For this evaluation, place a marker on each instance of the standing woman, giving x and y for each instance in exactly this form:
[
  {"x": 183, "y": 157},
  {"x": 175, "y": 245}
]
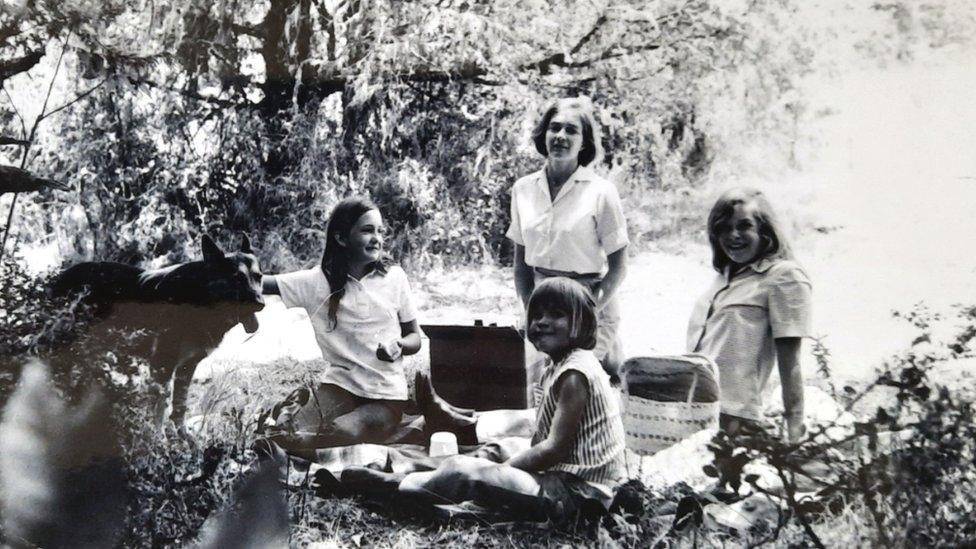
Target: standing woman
[{"x": 568, "y": 221}]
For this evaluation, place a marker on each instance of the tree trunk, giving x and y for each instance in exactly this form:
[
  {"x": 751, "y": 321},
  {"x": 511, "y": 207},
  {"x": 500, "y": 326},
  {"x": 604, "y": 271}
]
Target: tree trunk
[{"x": 279, "y": 82}]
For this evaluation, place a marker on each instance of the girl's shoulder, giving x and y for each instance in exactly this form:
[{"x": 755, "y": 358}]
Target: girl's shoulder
[
  {"x": 393, "y": 273},
  {"x": 586, "y": 173},
  {"x": 582, "y": 360},
  {"x": 786, "y": 271},
  {"x": 597, "y": 183},
  {"x": 528, "y": 179},
  {"x": 394, "y": 270},
  {"x": 312, "y": 275}
]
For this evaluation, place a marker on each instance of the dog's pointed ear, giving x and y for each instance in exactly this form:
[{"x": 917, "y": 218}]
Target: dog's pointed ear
[
  {"x": 246, "y": 245},
  {"x": 211, "y": 252}
]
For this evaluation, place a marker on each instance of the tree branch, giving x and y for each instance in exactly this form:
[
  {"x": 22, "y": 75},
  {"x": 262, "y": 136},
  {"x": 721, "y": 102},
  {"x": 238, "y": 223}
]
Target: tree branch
[
  {"x": 4, "y": 140},
  {"x": 78, "y": 98},
  {"x": 248, "y": 30},
  {"x": 545, "y": 65},
  {"x": 561, "y": 59},
  {"x": 47, "y": 97},
  {"x": 18, "y": 65},
  {"x": 600, "y": 21},
  {"x": 223, "y": 103}
]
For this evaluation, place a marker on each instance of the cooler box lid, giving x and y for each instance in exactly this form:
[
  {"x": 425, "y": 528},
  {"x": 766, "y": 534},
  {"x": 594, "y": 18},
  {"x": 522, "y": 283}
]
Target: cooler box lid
[{"x": 479, "y": 367}]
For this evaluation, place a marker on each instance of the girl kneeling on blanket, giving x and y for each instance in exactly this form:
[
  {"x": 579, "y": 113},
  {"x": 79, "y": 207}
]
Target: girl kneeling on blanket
[
  {"x": 364, "y": 320},
  {"x": 577, "y": 452}
]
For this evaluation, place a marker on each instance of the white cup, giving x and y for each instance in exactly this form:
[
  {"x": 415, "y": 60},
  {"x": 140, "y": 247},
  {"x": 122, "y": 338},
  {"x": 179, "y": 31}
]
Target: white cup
[{"x": 443, "y": 443}]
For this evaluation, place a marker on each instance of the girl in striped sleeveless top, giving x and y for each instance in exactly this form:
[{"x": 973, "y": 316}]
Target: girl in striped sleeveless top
[{"x": 577, "y": 452}]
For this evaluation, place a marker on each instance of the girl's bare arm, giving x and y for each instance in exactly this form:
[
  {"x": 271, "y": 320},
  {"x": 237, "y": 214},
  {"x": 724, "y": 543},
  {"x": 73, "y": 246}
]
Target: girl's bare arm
[
  {"x": 269, "y": 285},
  {"x": 616, "y": 272},
  {"x": 572, "y": 392},
  {"x": 524, "y": 277},
  {"x": 410, "y": 337},
  {"x": 791, "y": 377}
]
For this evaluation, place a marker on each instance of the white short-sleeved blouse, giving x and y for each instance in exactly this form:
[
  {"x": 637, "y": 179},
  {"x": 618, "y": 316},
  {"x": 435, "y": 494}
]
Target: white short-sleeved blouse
[
  {"x": 369, "y": 313},
  {"x": 736, "y": 322},
  {"x": 576, "y": 231}
]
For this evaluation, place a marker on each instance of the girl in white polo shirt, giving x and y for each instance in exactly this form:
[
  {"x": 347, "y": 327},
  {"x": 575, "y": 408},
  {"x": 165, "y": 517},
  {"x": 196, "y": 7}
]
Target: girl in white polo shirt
[
  {"x": 364, "y": 321},
  {"x": 755, "y": 314}
]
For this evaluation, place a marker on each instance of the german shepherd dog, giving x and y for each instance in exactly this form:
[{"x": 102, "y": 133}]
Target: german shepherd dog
[{"x": 184, "y": 310}]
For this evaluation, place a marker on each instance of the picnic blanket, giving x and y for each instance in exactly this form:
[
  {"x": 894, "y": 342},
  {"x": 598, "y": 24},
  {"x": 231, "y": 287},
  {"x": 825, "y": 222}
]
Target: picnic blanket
[{"x": 502, "y": 434}]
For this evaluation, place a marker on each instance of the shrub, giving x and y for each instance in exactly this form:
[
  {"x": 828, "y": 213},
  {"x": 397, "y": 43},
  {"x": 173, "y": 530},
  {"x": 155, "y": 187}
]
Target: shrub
[{"x": 913, "y": 456}]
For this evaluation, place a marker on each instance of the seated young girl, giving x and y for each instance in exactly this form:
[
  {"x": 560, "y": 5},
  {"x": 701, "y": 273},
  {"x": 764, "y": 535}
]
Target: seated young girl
[
  {"x": 755, "y": 314},
  {"x": 577, "y": 452},
  {"x": 364, "y": 320}
]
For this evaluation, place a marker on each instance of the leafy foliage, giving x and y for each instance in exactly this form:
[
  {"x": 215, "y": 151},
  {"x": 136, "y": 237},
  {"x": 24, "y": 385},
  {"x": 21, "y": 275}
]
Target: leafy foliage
[
  {"x": 915, "y": 455},
  {"x": 230, "y": 114}
]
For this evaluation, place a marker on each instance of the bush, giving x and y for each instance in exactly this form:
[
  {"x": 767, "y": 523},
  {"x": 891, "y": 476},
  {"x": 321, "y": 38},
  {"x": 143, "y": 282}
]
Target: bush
[{"x": 913, "y": 456}]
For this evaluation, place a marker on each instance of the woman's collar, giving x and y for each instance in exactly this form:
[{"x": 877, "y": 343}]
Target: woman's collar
[
  {"x": 759, "y": 266},
  {"x": 582, "y": 174}
]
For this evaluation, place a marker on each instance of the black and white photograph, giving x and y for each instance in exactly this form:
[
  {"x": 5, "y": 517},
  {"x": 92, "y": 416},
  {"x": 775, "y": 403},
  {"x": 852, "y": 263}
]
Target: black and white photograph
[{"x": 466, "y": 273}]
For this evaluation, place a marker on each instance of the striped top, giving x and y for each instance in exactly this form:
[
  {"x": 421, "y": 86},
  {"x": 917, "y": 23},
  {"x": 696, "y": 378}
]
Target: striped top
[{"x": 598, "y": 449}]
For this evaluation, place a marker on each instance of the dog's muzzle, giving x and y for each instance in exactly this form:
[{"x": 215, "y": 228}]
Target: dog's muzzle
[{"x": 250, "y": 320}]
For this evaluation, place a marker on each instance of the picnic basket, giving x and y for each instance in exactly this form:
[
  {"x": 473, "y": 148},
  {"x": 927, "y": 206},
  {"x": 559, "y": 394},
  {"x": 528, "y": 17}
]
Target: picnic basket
[{"x": 667, "y": 398}]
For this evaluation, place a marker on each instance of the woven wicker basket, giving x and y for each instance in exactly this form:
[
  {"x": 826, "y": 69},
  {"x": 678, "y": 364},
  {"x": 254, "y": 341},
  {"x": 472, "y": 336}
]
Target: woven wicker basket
[{"x": 652, "y": 425}]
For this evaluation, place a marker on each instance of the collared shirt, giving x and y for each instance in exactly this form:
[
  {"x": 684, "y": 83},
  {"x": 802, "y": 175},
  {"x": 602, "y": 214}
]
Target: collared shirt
[
  {"x": 736, "y": 322},
  {"x": 598, "y": 447},
  {"x": 576, "y": 231},
  {"x": 369, "y": 313}
]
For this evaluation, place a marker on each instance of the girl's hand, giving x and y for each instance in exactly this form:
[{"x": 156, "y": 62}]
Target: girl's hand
[
  {"x": 390, "y": 351},
  {"x": 795, "y": 430}
]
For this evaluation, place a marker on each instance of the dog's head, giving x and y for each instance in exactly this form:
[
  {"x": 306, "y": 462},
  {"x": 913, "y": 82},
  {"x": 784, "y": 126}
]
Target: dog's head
[{"x": 232, "y": 280}]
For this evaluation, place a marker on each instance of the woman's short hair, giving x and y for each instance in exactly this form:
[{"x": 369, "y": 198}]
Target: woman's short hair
[
  {"x": 571, "y": 297},
  {"x": 771, "y": 233},
  {"x": 591, "y": 148}
]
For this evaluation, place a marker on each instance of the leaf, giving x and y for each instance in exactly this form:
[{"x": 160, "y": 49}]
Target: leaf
[
  {"x": 61, "y": 476},
  {"x": 257, "y": 518},
  {"x": 924, "y": 338},
  {"x": 710, "y": 471}
]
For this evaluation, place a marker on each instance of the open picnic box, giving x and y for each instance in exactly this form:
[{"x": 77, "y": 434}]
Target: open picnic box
[{"x": 477, "y": 366}]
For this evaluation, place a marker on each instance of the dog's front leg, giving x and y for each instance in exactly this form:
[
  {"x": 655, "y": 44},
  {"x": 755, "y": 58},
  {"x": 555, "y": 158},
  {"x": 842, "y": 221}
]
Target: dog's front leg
[
  {"x": 182, "y": 378},
  {"x": 159, "y": 395}
]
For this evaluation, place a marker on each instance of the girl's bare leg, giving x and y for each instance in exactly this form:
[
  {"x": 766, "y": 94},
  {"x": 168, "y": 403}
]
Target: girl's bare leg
[
  {"x": 464, "y": 478},
  {"x": 370, "y": 422},
  {"x": 336, "y": 417}
]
